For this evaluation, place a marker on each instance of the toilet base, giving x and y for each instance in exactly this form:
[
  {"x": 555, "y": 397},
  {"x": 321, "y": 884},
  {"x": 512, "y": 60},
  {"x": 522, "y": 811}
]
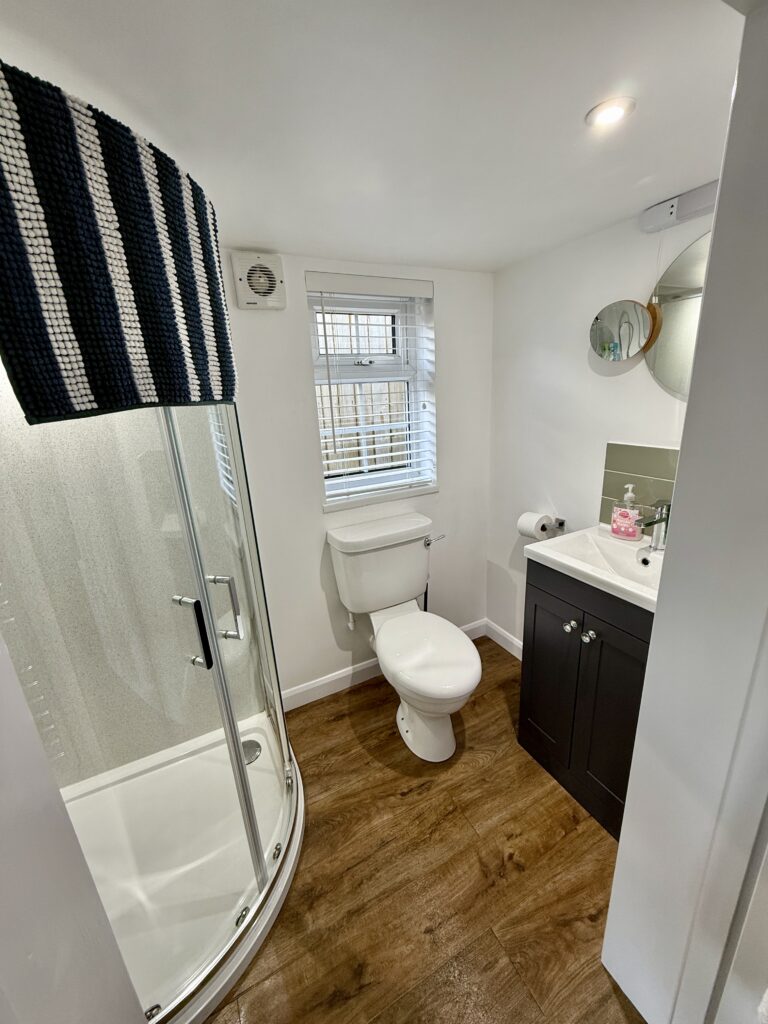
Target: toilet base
[{"x": 429, "y": 737}]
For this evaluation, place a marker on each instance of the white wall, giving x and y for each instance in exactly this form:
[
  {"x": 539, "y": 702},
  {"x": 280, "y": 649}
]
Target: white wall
[
  {"x": 747, "y": 979},
  {"x": 699, "y": 775},
  {"x": 58, "y": 956},
  {"x": 282, "y": 452},
  {"x": 556, "y": 404}
]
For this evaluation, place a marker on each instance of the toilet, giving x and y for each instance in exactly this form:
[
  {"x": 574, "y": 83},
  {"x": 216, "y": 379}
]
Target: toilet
[{"x": 381, "y": 567}]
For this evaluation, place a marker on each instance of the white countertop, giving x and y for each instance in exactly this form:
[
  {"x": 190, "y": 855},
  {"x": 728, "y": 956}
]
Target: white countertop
[{"x": 596, "y": 557}]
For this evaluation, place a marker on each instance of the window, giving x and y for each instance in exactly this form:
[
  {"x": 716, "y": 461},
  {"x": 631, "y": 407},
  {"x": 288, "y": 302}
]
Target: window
[
  {"x": 373, "y": 349},
  {"x": 356, "y": 334}
]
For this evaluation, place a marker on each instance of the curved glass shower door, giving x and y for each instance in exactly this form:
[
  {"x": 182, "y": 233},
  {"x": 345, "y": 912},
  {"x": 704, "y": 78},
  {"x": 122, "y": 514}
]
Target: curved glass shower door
[
  {"x": 207, "y": 439},
  {"x": 121, "y": 578}
]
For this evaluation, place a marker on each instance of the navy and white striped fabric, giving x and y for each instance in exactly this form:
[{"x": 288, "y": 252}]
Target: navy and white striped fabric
[{"x": 111, "y": 294}]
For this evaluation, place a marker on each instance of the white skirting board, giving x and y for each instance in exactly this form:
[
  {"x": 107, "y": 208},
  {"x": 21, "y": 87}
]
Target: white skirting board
[
  {"x": 503, "y": 638},
  {"x": 315, "y": 689},
  {"x": 305, "y": 693}
]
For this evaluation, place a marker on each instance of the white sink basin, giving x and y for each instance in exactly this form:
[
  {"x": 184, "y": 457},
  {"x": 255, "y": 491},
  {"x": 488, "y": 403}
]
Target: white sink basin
[{"x": 627, "y": 569}]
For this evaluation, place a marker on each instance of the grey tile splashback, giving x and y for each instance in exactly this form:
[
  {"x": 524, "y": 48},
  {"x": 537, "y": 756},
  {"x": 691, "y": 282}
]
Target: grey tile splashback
[
  {"x": 644, "y": 460},
  {"x": 652, "y": 470}
]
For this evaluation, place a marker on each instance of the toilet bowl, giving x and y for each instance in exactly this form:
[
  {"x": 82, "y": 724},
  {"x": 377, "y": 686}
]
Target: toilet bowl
[
  {"x": 434, "y": 668},
  {"x": 381, "y": 566}
]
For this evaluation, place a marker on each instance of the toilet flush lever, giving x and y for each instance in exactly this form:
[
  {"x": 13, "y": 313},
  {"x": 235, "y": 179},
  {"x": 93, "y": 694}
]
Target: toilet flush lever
[{"x": 429, "y": 541}]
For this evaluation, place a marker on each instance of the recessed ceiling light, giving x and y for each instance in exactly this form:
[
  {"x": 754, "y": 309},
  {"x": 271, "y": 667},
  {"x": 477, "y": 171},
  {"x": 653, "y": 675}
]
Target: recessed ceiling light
[{"x": 610, "y": 112}]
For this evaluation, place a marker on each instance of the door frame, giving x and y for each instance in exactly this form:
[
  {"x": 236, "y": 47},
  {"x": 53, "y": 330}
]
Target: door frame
[
  {"x": 52, "y": 913},
  {"x": 699, "y": 775}
]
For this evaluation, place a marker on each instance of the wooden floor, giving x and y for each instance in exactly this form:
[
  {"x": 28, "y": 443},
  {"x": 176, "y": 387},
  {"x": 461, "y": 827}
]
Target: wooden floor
[{"x": 473, "y": 891}]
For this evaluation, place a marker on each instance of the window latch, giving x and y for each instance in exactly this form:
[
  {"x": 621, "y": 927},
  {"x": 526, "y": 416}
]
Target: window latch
[{"x": 364, "y": 362}]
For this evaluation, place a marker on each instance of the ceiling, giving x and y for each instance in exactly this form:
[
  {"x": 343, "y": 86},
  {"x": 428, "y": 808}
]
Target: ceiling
[{"x": 436, "y": 132}]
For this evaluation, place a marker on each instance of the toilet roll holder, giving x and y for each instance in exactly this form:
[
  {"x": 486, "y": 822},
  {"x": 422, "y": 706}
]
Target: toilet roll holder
[{"x": 540, "y": 526}]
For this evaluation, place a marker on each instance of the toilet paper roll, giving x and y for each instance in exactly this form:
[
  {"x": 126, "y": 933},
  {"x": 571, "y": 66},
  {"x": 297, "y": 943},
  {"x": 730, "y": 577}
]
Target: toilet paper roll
[{"x": 534, "y": 524}]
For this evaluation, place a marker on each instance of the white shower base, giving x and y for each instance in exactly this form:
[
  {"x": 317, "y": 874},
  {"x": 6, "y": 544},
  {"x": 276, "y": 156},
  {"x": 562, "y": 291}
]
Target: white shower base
[{"x": 165, "y": 843}]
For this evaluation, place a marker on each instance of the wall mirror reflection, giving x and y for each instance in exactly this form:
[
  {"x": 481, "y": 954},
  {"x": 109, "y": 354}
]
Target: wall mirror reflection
[
  {"x": 621, "y": 330},
  {"x": 678, "y": 294}
]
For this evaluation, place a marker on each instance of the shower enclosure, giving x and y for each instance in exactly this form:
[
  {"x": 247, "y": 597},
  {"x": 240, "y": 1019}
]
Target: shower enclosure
[{"x": 133, "y": 608}]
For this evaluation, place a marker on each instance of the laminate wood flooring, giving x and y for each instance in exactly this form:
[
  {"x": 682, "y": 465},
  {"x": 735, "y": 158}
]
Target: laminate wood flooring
[{"x": 470, "y": 892}]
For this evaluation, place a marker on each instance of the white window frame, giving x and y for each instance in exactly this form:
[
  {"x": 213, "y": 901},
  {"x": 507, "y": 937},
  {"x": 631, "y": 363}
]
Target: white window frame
[
  {"x": 346, "y": 369},
  {"x": 361, "y": 308}
]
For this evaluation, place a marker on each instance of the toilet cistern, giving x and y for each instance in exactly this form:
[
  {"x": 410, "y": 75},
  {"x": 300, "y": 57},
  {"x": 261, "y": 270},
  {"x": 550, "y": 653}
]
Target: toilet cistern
[{"x": 381, "y": 567}]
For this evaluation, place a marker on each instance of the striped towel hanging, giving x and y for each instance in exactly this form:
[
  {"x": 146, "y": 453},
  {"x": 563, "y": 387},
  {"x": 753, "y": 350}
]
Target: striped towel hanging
[{"x": 111, "y": 295}]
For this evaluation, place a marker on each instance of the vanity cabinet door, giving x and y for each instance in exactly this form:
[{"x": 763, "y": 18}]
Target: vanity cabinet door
[
  {"x": 550, "y": 672},
  {"x": 611, "y": 672}
]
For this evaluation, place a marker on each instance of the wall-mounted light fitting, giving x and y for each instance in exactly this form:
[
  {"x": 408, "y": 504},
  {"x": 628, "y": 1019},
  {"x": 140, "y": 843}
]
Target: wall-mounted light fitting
[{"x": 610, "y": 112}]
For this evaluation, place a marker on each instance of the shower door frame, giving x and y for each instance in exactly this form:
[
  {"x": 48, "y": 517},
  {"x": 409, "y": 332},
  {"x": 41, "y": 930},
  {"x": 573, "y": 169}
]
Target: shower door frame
[
  {"x": 266, "y": 641},
  {"x": 220, "y": 685},
  {"x": 266, "y": 886}
]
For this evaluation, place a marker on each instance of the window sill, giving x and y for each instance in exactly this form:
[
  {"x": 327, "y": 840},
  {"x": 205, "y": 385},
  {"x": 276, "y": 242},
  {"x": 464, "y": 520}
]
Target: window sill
[{"x": 396, "y": 494}]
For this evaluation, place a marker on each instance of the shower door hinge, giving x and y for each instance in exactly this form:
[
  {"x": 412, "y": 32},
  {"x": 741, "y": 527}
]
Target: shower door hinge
[{"x": 288, "y": 769}]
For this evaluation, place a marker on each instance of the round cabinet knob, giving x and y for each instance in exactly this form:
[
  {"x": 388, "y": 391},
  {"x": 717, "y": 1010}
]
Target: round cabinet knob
[
  {"x": 568, "y": 627},
  {"x": 589, "y": 636}
]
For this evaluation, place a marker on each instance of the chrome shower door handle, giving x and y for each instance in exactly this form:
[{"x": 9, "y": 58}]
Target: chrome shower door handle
[
  {"x": 206, "y": 661},
  {"x": 238, "y": 633}
]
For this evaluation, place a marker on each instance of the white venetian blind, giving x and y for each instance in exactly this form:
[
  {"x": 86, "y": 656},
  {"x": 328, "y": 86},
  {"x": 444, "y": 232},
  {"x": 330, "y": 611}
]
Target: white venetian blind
[{"x": 373, "y": 345}]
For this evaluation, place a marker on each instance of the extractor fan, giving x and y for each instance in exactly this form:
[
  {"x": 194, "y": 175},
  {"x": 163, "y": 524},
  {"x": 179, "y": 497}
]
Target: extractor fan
[{"x": 259, "y": 280}]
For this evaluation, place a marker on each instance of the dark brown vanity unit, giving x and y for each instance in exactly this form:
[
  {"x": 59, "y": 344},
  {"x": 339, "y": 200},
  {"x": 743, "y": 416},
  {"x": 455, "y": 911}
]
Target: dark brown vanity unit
[{"x": 584, "y": 655}]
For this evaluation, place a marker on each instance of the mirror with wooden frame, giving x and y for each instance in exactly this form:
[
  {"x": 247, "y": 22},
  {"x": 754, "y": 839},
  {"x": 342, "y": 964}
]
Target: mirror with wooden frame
[{"x": 623, "y": 329}]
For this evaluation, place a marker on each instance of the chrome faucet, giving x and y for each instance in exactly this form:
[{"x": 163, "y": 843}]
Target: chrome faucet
[{"x": 659, "y": 521}]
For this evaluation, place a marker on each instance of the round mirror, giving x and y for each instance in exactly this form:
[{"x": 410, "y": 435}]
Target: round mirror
[
  {"x": 621, "y": 330},
  {"x": 678, "y": 294}
]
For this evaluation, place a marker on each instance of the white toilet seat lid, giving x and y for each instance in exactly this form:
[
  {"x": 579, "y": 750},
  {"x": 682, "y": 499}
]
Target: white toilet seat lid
[{"x": 428, "y": 655}]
